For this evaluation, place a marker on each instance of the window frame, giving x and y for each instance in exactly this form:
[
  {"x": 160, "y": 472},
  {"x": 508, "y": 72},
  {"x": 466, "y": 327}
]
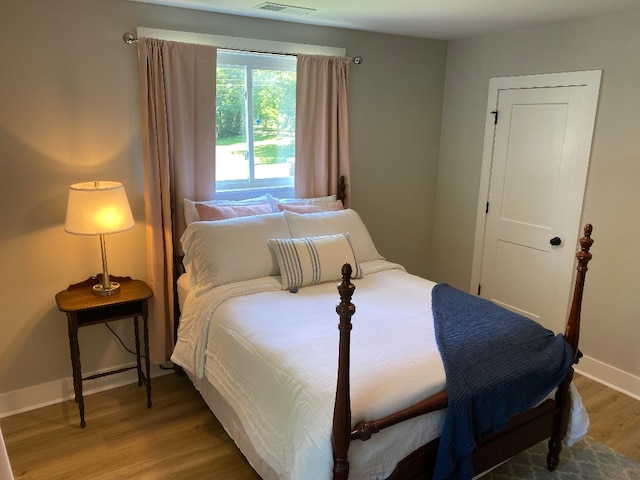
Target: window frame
[{"x": 253, "y": 61}]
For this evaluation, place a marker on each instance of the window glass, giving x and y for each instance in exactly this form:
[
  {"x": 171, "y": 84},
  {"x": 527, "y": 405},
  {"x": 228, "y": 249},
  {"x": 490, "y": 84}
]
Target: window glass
[{"x": 255, "y": 124}]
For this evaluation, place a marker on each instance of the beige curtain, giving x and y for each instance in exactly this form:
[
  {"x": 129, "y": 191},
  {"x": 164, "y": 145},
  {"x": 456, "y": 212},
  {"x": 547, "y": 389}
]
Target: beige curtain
[
  {"x": 322, "y": 124},
  {"x": 178, "y": 104}
]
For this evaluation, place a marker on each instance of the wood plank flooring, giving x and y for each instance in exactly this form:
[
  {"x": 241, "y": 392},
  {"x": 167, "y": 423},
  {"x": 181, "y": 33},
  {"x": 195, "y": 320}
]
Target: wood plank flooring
[
  {"x": 179, "y": 438},
  {"x": 615, "y": 417}
]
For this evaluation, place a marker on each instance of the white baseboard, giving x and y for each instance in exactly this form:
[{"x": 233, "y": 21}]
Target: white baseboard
[
  {"x": 610, "y": 376},
  {"x": 50, "y": 393}
]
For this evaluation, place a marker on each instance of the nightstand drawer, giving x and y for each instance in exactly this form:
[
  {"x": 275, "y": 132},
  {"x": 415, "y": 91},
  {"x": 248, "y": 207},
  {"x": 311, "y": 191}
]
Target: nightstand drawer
[{"x": 112, "y": 312}]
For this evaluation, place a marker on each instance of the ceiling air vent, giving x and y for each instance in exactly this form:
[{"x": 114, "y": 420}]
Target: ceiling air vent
[{"x": 282, "y": 8}]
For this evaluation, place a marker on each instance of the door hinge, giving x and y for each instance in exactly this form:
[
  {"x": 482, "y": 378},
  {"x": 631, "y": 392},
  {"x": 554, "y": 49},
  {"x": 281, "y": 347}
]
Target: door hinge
[
  {"x": 495, "y": 119},
  {"x": 486, "y": 209},
  {"x": 479, "y": 289}
]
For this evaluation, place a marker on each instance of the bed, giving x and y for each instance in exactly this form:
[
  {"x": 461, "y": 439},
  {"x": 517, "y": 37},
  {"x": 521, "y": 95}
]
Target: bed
[{"x": 304, "y": 399}]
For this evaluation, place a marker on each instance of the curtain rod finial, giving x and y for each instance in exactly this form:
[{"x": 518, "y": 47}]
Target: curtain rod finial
[
  {"x": 357, "y": 60},
  {"x": 129, "y": 38}
]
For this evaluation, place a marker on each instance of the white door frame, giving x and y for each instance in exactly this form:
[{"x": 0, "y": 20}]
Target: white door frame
[{"x": 589, "y": 79}]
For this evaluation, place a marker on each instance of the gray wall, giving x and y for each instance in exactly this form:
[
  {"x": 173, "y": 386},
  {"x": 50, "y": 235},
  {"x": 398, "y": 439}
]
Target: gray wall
[
  {"x": 69, "y": 112},
  {"x": 611, "y": 326}
]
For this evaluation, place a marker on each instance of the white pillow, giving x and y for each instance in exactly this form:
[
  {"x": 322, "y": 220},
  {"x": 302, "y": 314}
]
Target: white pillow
[
  {"x": 313, "y": 260},
  {"x": 298, "y": 201},
  {"x": 191, "y": 213},
  {"x": 232, "y": 250},
  {"x": 331, "y": 223},
  {"x": 311, "y": 207}
]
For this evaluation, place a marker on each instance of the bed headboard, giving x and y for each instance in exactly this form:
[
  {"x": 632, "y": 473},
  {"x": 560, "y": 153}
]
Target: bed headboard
[{"x": 341, "y": 192}]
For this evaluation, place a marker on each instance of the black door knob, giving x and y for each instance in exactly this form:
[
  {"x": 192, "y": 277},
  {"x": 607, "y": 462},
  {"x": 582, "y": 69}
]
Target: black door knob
[{"x": 555, "y": 241}]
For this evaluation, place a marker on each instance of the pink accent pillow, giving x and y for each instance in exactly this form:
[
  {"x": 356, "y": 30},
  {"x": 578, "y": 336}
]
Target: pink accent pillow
[
  {"x": 222, "y": 212},
  {"x": 311, "y": 208}
]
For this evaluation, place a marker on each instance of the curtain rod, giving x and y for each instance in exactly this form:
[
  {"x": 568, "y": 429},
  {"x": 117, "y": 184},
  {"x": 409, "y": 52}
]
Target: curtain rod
[{"x": 130, "y": 39}]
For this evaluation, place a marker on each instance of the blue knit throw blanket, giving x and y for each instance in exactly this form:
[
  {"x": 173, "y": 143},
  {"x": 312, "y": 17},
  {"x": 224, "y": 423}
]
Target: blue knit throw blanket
[{"x": 497, "y": 364}]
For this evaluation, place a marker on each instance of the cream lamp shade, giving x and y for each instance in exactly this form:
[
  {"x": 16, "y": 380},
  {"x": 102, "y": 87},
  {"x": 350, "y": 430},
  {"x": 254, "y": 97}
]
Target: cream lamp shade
[{"x": 99, "y": 208}]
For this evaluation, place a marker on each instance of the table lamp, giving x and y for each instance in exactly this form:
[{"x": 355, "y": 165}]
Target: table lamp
[{"x": 99, "y": 208}]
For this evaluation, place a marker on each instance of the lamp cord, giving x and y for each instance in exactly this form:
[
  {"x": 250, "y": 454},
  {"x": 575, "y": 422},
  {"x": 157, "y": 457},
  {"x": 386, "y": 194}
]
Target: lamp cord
[
  {"x": 121, "y": 342},
  {"x": 161, "y": 366}
]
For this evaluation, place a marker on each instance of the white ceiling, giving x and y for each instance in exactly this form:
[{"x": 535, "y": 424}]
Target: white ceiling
[{"x": 437, "y": 19}]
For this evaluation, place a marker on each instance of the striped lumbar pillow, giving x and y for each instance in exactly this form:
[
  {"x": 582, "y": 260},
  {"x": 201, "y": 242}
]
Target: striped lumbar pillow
[{"x": 313, "y": 260}]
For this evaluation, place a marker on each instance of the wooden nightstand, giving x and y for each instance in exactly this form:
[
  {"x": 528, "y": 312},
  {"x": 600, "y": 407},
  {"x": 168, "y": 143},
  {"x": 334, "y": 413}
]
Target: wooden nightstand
[{"x": 83, "y": 308}]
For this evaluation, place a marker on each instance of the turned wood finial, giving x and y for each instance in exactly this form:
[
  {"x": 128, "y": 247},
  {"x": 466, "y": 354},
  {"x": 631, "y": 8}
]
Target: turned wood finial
[
  {"x": 346, "y": 273},
  {"x": 346, "y": 289},
  {"x": 585, "y": 243}
]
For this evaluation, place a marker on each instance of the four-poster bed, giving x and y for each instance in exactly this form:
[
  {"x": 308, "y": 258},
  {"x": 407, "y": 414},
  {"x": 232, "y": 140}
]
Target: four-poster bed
[
  {"x": 548, "y": 420},
  {"x": 263, "y": 355}
]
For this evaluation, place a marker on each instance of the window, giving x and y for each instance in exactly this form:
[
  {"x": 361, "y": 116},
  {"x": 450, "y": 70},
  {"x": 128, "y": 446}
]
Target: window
[{"x": 255, "y": 124}]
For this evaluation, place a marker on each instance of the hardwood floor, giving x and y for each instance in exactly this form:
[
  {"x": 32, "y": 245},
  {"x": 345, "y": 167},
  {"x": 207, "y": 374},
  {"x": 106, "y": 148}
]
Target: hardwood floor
[
  {"x": 615, "y": 417},
  {"x": 179, "y": 438}
]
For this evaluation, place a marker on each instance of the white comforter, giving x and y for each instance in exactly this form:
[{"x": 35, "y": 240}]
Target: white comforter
[{"x": 272, "y": 355}]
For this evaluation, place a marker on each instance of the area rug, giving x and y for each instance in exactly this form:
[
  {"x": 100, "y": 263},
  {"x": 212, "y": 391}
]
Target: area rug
[{"x": 586, "y": 460}]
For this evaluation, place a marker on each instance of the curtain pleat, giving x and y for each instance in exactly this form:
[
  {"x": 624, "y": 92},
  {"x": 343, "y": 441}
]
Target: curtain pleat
[
  {"x": 322, "y": 124},
  {"x": 178, "y": 104}
]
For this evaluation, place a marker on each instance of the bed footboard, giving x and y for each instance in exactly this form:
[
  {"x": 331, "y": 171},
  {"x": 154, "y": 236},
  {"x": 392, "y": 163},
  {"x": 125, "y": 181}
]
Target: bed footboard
[{"x": 547, "y": 420}]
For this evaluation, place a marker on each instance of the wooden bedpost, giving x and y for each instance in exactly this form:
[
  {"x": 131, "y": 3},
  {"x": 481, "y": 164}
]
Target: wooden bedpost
[
  {"x": 341, "y": 435},
  {"x": 341, "y": 193},
  {"x": 572, "y": 336},
  {"x": 572, "y": 331}
]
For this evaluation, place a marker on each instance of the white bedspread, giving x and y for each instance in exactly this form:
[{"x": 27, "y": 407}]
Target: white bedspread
[{"x": 272, "y": 356}]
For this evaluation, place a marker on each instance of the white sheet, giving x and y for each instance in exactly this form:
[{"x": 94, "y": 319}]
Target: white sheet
[
  {"x": 183, "y": 290},
  {"x": 272, "y": 356}
]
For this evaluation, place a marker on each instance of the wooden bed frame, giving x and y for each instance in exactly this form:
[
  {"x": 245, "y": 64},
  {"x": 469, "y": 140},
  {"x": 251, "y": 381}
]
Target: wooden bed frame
[{"x": 547, "y": 420}]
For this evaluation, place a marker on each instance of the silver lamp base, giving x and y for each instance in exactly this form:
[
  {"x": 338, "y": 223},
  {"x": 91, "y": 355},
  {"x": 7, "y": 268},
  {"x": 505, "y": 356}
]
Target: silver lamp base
[
  {"x": 106, "y": 287},
  {"x": 104, "y": 291}
]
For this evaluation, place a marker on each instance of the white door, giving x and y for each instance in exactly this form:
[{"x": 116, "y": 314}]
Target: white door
[{"x": 535, "y": 163}]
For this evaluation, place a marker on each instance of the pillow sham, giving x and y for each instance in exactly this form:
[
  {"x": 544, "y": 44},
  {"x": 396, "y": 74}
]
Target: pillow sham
[
  {"x": 331, "y": 223},
  {"x": 222, "y": 212},
  {"x": 191, "y": 213},
  {"x": 232, "y": 250},
  {"x": 313, "y": 260},
  {"x": 298, "y": 201},
  {"x": 311, "y": 207},
  {"x": 299, "y": 208}
]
